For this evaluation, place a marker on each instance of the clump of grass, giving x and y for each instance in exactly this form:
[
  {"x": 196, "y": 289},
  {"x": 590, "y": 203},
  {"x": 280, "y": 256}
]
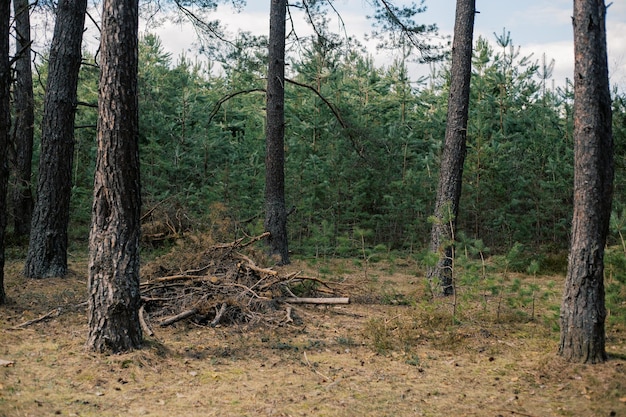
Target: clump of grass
[
  {"x": 392, "y": 334},
  {"x": 346, "y": 341}
]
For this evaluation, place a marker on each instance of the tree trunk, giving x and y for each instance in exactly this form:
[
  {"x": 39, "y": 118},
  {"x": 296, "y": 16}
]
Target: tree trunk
[
  {"x": 47, "y": 250},
  {"x": 5, "y": 123},
  {"x": 453, "y": 157},
  {"x": 583, "y": 311},
  {"x": 24, "y": 122},
  {"x": 275, "y": 210},
  {"x": 114, "y": 295}
]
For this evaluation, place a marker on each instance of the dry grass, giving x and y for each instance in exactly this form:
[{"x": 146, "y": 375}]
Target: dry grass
[{"x": 393, "y": 353}]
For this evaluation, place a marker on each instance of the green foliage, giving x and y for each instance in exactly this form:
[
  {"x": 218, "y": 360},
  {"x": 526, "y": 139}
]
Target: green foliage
[
  {"x": 362, "y": 150},
  {"x": 615, "y": 271},
  {"x": 519, "y": 168}
]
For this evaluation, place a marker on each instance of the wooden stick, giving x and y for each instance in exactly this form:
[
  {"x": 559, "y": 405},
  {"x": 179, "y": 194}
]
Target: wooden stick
[
  {"x": 178, "y": 317},
  {"x": 301, "y": 300},
  {"x": 255, "y": 239},
  {"x": 144, "y": 324},
  {"x": 174, "y": 278},
  {"x": 237, "y": 243},
  {"x": 53, "y": 313},
  {"x": 250, "y": 264},
  {"x": 218, "y": 315},
  {"x": 315, "y": 370}
]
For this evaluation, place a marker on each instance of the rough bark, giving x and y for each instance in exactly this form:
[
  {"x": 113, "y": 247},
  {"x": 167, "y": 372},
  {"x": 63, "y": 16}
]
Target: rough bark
[
  {"x": 114, "y": 294},
  {"x": 275, "y": 210},
  {"x": 583, "y": 310},
  {"x": 453, "y": 156},
  {"x": 47, "y": 250},
  {"x": 5, "y": 120},
  {"x": 23, "y": 131}
]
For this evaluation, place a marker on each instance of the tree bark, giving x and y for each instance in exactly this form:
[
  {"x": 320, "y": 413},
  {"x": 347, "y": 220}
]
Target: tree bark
[
  {"x": 114, "y": 294},
  {"x": 275, "y": 210},
  {"x": 24, "y": 122},
  {"x": 453, "y": 156},
  {"x": 5, "y": 123},
  {"x": 583, "y": 310},
  {"x": 47, "y": 250}
]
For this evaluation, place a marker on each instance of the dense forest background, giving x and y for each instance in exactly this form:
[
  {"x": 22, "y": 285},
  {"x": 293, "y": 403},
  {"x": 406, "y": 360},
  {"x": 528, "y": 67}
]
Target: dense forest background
[{"x": 362, "y": 146}]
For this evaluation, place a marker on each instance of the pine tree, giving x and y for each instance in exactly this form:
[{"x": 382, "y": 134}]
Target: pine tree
[
  {"x": 583, "y": 311},
  {"x": 114, "y": 296}
]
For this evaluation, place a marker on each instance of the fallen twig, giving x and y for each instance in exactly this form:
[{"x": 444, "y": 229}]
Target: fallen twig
[
  {"x": 289, "y": 319},
  {"x": 517, "y": 412},
  {"x": 303, "y": 300},
  {"x": 53, "y": 313},
  {"x": 313, "y": 368}
]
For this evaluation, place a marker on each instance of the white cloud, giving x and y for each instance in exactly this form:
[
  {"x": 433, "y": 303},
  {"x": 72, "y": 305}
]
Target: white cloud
[{"x": 537, "y": 26}]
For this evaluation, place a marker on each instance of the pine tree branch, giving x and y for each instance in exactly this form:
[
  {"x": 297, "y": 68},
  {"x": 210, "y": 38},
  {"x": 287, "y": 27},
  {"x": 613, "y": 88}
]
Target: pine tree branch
[{"x": 227, "y": 97}]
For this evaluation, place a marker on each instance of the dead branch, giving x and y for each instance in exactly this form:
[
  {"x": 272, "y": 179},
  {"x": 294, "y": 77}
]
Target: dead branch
[
  {"x": 306, "y": 359},
  {"x": 218, "y": 315},
  {"x": 178, "y": 317},
  {"x": 144, "y": 324},
  {"x": 303, "y": 300},
  {"x": 252, "y": 266},
  {"x": 289, "y": 319},
  {"x": 516, "y": 412},
  {"x": 180, "y": 277},
  {"x": 151, "y": 210},
  {"x": 51, "y": 314}
]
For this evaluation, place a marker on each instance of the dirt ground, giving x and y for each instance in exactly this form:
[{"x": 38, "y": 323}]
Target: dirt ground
[{"x": 392, "y": 352}]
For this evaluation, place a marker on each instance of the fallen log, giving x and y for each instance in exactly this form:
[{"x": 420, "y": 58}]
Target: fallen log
[{"x": 178, "y": 317}]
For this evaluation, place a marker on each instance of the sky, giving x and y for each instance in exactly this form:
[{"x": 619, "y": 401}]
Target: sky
[{"x": 536, "y": 26}]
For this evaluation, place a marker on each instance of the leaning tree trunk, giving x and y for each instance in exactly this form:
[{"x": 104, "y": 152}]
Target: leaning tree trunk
[
  {"x": 275, "y": 210},
  {"x": 24, "y": 122},
  {"x": 114, "y": 296},
  {"x": 5, "y": 122},
  {"x": 47, "y": 250},
  {"x": 582, "y": 310},
  {"x": 453, "y": 157}
]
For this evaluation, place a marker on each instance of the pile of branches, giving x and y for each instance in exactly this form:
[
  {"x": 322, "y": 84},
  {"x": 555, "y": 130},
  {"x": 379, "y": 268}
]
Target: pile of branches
[{"x": 226, "y": 286}]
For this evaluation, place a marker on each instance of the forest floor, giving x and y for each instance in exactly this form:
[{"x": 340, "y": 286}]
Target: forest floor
[{"x": 392, "y": 352}]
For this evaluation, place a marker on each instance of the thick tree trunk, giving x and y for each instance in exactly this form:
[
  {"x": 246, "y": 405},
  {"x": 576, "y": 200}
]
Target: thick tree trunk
[
  {"x": 453, "y": 157},
  {"x": 47, "y": 250},
  {"x": 275, "y": 210},
  {"x": 582, "y": 310},
  {"x": 24, "y": 122},
  {"x": 5, "y": 123},
  {"x": 114, "y": 296}
]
